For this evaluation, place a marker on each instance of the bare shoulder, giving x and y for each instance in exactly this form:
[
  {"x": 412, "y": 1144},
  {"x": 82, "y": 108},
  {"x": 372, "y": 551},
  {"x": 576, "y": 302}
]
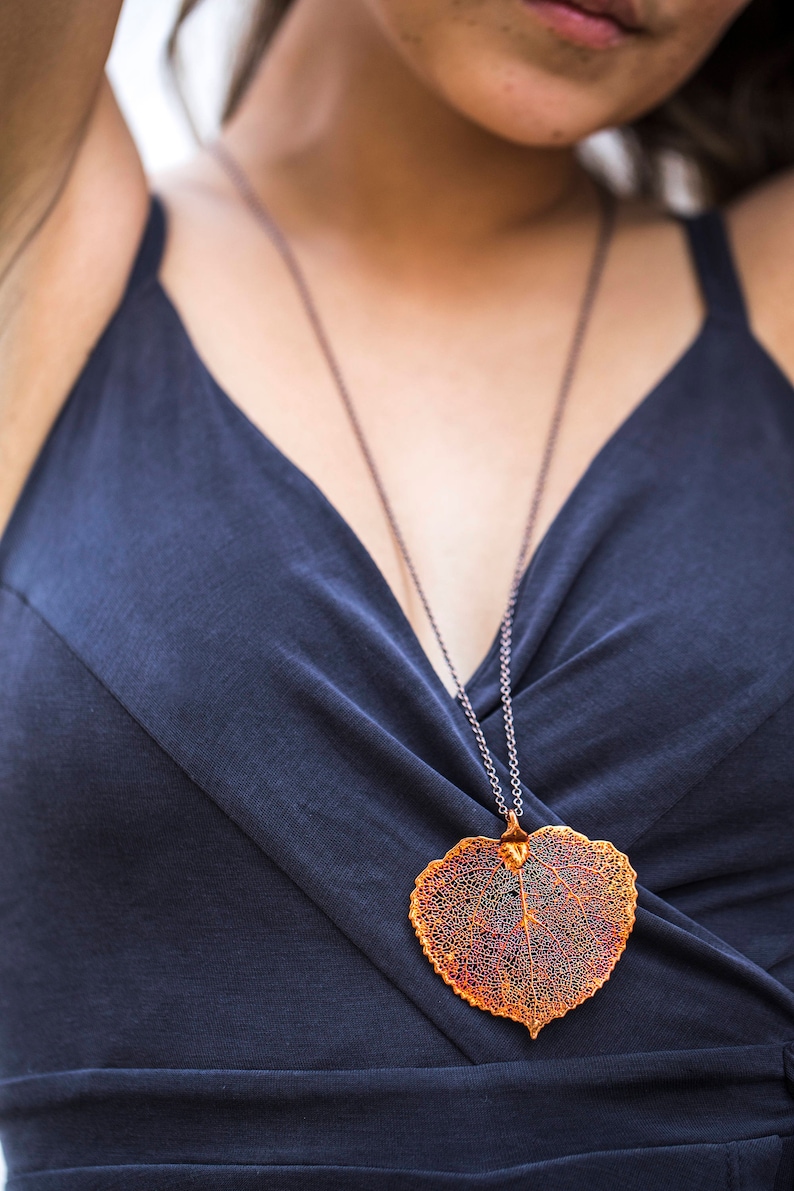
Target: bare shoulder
[
  {"x": 62, "y": 286},
  {"x": 761, "y": 227}
]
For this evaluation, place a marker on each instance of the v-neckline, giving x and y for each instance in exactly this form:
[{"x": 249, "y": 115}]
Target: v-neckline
[{"x": 296, "y": 472}]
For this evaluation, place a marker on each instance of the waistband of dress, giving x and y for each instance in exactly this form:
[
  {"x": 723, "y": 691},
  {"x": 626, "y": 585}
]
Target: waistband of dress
[{"x": 478, "y": 1118}]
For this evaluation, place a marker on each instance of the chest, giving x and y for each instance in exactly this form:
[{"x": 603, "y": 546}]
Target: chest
[
  {"x": 207, "y": 583},
  {"x": 454, "y": 375}
]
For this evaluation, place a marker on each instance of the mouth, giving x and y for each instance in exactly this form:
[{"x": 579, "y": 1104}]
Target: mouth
[{"x": 596, "y": 24}]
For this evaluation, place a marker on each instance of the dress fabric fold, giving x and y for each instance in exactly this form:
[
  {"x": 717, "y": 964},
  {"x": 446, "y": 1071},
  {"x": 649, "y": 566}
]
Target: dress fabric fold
[{"x": 224, "y": 758}]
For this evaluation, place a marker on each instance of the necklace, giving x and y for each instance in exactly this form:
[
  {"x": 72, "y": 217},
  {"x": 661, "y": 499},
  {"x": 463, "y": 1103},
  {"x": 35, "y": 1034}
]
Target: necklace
[{"x": 524, "y": 926}]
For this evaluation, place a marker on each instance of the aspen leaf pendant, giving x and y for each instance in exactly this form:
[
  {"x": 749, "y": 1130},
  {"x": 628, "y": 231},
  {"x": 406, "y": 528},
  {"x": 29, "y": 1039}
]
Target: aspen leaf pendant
[{"x": 526, "y": 926}]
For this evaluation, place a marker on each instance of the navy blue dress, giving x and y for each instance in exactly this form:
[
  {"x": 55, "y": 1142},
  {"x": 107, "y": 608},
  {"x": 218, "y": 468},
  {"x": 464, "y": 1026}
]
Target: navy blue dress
[{"x": 224, "y": 758}]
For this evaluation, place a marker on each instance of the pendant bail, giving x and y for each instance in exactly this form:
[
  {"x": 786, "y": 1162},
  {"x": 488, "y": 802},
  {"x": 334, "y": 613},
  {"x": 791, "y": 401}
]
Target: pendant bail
[{"x": 514, "y": 844}]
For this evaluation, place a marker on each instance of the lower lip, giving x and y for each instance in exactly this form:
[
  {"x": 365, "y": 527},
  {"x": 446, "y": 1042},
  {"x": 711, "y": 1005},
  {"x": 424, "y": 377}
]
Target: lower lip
[{"x": 580, "y": 27}]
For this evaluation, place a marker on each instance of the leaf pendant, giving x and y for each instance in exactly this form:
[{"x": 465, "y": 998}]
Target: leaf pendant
[{"x": 526, "y": 926}]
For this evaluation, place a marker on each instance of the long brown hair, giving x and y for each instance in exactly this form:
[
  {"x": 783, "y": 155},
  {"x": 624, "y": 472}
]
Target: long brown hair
[{"x": 732, "y": 121}]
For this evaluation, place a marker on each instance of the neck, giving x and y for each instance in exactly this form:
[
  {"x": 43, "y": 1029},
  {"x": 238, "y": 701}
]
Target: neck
[{"x": 338, "y": 130}]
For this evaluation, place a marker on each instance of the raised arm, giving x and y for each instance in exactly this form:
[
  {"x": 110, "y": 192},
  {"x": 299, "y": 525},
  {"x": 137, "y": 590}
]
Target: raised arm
[{"x": 72, "y": 203}]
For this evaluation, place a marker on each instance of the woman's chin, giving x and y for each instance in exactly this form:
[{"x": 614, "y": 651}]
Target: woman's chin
[{"x": 529, "y": 106}]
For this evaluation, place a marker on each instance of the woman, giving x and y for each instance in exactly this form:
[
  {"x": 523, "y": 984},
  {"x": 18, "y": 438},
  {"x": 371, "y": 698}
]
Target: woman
[{"x": 313, "y": 403}]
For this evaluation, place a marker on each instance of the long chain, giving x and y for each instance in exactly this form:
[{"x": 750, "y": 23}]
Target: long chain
[{"x": 264, "y": 218}]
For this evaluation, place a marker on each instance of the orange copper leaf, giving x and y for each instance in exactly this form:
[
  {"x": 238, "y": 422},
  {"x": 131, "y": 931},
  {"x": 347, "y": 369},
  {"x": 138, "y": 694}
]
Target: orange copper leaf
[{"x": 528, "y": 926}]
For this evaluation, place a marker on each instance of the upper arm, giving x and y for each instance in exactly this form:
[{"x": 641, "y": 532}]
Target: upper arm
[
  {"x": 72, "y": 205},
  {"x": 762, "y": 232},
  {"x": 52, "y": 55}
]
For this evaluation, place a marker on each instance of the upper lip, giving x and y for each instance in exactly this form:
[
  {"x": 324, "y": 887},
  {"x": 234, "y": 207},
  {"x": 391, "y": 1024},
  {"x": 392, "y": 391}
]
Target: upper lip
[{"x": 623, "y": 12}]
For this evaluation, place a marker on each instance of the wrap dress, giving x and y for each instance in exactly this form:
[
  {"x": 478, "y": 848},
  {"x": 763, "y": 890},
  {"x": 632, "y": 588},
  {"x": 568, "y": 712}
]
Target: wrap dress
[{"x": 224, "y": 758}]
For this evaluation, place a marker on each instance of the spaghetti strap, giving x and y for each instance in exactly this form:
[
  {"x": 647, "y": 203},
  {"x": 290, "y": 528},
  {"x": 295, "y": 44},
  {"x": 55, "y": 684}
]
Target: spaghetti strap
[
  {"x": 150, "y": 252},
  {"x": 715, "y": 266}
]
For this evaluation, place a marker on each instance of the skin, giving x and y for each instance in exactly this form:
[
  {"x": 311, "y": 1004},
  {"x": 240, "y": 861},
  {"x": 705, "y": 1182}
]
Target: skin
[
  {"x": 419, "y": 155},
  {"x": 762, "y": 226}
]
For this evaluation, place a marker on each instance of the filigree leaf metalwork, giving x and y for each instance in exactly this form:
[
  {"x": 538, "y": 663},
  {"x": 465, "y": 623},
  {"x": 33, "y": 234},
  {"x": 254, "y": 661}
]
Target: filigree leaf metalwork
[{"x": 526, "y": 926}]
